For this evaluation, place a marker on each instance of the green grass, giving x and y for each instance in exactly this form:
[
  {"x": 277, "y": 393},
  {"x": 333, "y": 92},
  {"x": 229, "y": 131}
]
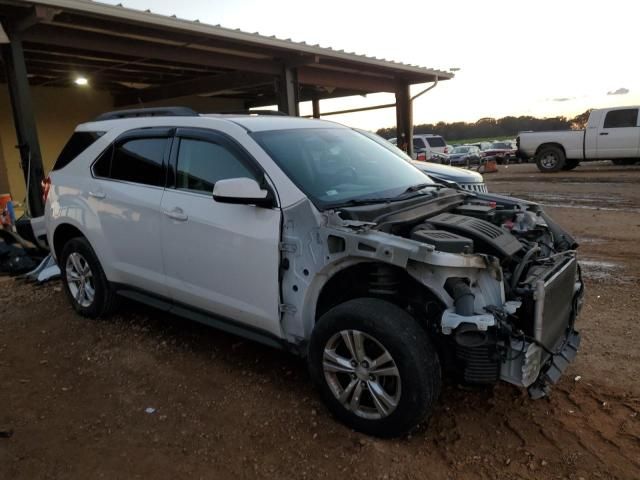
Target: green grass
[{"x": 466, "y": 141}]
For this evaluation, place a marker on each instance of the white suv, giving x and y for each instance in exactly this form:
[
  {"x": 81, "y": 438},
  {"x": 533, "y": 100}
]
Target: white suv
[{"x": 309, "y": 236}]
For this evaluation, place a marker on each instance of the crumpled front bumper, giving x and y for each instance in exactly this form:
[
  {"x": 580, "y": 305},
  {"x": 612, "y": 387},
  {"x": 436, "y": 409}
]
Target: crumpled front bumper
[{"x": 555, "y": 366}]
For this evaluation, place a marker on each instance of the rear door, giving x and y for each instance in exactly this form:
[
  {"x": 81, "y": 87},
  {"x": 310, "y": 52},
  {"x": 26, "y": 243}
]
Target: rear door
[
  {"x": 219, "y": 257},
  {"x": 619, "y": 134},
  {"x": 126, "y": 192}
]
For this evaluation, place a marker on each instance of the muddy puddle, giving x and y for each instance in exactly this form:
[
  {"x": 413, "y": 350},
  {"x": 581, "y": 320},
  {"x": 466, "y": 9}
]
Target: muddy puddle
[
  {"x": 587, "y": 201},
  {"x": 603, "y": 271}
]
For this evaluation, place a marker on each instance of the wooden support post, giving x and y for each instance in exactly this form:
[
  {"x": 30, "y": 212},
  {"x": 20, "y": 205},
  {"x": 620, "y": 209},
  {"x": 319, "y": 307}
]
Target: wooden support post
[
  {"x": 25, "y": 123},
  {"x": 315, "y": 105},
  {"x": 288, "y": 92},
  {"x": 404, "y": 117}
]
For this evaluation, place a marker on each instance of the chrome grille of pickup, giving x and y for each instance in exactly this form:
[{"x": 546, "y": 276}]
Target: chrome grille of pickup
[{"x": 475, "y": 187}]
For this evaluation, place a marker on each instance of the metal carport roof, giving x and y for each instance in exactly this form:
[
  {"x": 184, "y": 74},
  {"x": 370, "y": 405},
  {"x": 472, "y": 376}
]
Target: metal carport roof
[{"x": 141, "y": 57}]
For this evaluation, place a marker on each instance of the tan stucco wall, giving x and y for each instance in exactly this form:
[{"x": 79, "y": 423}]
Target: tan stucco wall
[{"x": 58, "y": 111}]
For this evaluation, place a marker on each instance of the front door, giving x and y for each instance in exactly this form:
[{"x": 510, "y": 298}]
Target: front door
[{"x": 219, "y": 257}]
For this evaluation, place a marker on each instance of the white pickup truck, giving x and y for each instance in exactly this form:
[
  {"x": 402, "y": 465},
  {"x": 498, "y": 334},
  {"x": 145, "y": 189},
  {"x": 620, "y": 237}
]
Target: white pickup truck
[{"x": 611, "y": 134}]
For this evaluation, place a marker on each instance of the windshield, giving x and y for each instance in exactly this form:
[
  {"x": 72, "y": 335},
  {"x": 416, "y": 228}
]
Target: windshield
[
  {"x": 333, "y": 166},
  {"x": 385, "y": 143},
  {"x": 461, "y": 150},
  {"x": 500, "y": 146}
]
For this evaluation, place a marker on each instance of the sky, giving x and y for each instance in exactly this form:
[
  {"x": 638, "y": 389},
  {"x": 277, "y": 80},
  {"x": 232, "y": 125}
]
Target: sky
[{"x": 542, "y": 58}]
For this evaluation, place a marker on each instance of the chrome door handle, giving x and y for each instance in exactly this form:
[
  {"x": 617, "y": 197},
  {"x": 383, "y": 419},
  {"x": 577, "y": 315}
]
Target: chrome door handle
[
  {"x": 176, "y": 214},
  {"x": 97, "y": 194}
]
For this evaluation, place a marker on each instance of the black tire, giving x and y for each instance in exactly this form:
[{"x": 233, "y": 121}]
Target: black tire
[
  {"x": 104, "y": 300},
  {"x": 550, "y": 159},
  {"x": 571, "y": 164},
  {"x": 408, "y": 344},
  {"x": 624, "y": 161}
]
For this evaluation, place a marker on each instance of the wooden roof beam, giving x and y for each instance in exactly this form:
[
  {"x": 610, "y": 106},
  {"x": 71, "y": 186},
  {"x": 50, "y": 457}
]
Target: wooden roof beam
[
  {"x": 198, "y": 86},
  {"x": 61, "y": 37}
]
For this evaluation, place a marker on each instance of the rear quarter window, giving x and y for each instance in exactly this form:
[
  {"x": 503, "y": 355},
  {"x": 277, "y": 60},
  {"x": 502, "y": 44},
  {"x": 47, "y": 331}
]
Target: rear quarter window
[
  {"x": 77, "y": 144},
  {"x": 436, "y": 142}
]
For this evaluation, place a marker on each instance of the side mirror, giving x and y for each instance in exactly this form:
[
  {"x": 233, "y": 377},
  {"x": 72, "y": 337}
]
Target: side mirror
[{"x": 245, "y": 191}]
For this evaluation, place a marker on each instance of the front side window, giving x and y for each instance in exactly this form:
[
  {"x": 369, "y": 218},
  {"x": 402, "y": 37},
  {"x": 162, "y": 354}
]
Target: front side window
[
  {"x": 621, "y": 118},
  {"x": 333, "y": 166},
  {"x": 137, "y": 160},
  {"x": 202, "y": 163}
]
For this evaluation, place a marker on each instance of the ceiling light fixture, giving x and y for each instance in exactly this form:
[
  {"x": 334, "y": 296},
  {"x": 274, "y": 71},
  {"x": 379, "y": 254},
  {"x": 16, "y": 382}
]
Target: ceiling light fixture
[{"x": 82, "y": 81}]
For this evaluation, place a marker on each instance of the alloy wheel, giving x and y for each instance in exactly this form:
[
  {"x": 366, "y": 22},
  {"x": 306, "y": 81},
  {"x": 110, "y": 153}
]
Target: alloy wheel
[
  {"x": 80, "y": 279},
  {"x": 549, "y": 161},
  {"x": 361, "y": 374}
]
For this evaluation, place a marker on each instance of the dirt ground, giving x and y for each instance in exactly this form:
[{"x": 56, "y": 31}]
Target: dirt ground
[{"x": 147, "y": 395}]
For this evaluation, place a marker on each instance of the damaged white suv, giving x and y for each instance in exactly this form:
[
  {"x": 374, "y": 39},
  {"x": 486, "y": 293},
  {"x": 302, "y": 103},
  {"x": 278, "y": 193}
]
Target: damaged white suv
[{"x": 309, "y": 236}]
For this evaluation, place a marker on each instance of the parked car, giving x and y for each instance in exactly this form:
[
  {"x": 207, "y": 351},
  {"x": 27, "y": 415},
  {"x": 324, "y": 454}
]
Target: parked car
[
  {"x": 611, "y": 134},
  {"x": 425, "y": 143},
  {"x": 482, "y": 145},
  {"x": 465, "y": 179},
  {"x": 465, "y": 155},
  {"x": 440, "y": 173},
  {"x": 308, "y": 236},
  {"x": 429, "y": 141},
  {"x": 501, "y": 152}
]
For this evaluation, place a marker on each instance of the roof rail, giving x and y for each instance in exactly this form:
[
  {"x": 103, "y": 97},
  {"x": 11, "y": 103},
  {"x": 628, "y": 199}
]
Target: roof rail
[
  {"x": 253, "y": 112},
  {"x": 148, "y": 112}
]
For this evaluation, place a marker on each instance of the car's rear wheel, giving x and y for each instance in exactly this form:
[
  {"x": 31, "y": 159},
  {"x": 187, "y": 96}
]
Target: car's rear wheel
[
  {"x": 550, "y": 159},
  {"x": 374, "y": 366},
  {"x": 85, "y": 283}
]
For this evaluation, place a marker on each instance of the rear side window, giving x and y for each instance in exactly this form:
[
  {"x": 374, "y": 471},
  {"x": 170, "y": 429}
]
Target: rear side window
[
  {"x": 621, "y": 118},
  {"x": 77, "y": 144},
  {"x": 139, "y": 160},
  {"x": 436, "y": 142},
  {"x": 202, "y": 163}
]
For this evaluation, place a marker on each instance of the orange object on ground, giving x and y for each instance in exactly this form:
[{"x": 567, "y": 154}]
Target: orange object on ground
[
  {"x": 5, "y": 218},
  {"x": 490, "y": 166}
]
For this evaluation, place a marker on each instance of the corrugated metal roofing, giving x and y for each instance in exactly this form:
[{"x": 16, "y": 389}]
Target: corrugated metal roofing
[{"x": 172, "y": 22}]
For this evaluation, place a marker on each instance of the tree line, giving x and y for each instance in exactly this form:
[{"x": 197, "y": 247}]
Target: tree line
[{"x": 494, "y": 127}]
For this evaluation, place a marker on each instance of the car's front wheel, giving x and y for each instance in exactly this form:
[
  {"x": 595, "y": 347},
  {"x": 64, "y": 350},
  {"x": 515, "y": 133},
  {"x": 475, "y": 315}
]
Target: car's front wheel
[
  {"x": 85, "y": 283},
  {"x": 374, "y": 366}
]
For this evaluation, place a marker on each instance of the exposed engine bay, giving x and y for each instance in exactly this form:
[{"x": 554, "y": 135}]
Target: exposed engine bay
[{"x": 513, "y": 321}]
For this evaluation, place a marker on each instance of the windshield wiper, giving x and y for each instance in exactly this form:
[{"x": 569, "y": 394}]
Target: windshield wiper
[
  {"x": 420, "y": 186},
  {"x": 354, "y": 202},
  {"x": 369, "y": 201}
]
